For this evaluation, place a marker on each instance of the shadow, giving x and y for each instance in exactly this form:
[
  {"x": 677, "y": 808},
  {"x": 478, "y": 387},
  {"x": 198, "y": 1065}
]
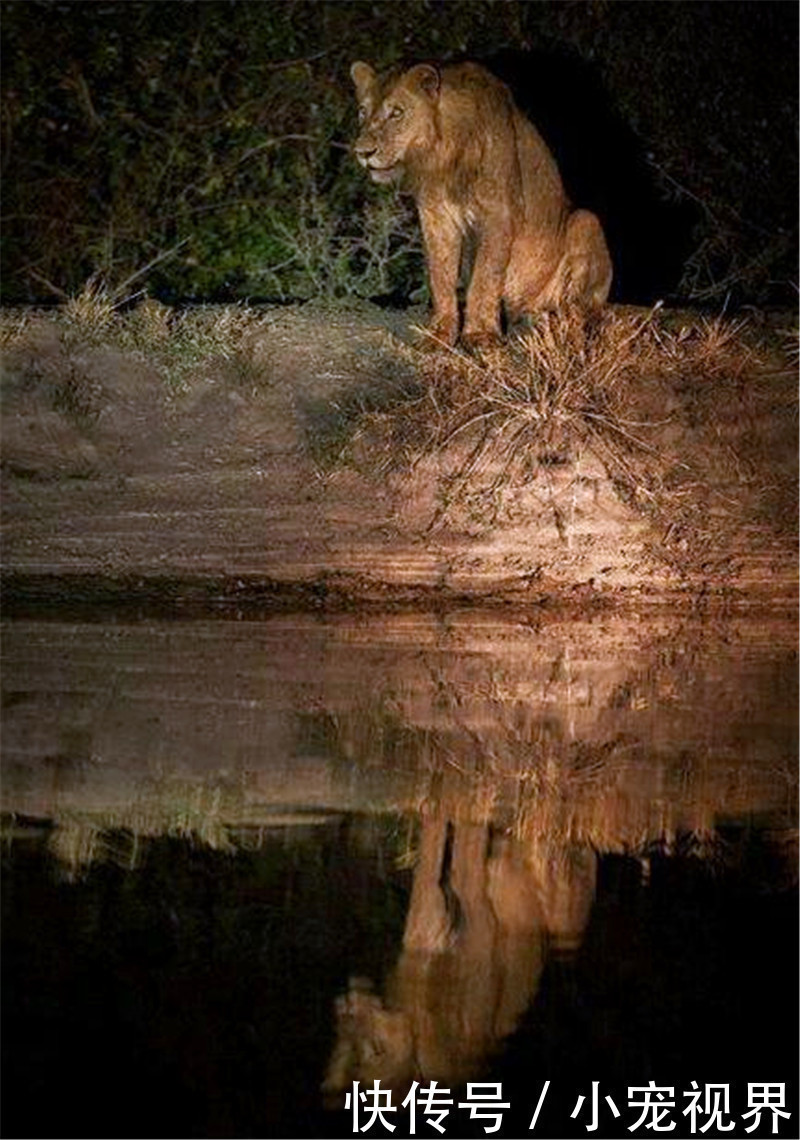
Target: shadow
[{"x": 605, "y": 169}]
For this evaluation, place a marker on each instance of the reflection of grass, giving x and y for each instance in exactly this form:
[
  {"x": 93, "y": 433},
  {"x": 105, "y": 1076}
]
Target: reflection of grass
[
  {"x": 202, "y": 813},
  {"x": 551, "y": 793},
  {"x": 528, "y": 776},
  {"x": 79, "y": 840}
]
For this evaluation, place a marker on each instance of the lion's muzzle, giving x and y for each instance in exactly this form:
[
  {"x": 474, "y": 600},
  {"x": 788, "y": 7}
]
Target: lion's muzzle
[{"x": 368, "y": 157}]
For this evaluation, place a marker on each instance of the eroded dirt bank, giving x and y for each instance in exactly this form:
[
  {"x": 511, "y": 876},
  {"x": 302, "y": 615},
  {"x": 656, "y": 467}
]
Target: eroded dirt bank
[{"x": 259, "y": 472}]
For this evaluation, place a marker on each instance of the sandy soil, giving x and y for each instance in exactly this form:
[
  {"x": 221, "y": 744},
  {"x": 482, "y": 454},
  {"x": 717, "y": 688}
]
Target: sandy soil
[{"x": 228, "y": 486}]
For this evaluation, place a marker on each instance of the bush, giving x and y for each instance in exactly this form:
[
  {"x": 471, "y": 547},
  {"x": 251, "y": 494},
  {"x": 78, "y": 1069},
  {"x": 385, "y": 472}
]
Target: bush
[
  {"x": 571, "y": 396},
  {"x": 201, "y": 149}
]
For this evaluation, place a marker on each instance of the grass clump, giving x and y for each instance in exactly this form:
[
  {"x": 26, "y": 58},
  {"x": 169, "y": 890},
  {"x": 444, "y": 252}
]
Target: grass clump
[
  {"x": 539, "y": 404},
  {"x": 179, "y": 343},
  {"x": 624, "y": 394}
]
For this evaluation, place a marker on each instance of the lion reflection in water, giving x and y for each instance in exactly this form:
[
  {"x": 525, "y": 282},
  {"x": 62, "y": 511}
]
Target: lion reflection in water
[{"x": 483, "y": 914}]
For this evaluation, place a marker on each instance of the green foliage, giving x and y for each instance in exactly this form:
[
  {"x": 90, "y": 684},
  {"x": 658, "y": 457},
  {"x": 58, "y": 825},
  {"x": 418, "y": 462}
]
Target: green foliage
[
  {"x": 193, "y": 146},
  {"x": 200, "y": 149}
]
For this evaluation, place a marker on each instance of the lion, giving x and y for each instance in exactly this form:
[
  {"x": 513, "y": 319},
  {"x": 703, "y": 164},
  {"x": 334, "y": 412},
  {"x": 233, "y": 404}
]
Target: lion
[
  {"x": 485, "y": 910},
  {"x": 485, "y": 185}
]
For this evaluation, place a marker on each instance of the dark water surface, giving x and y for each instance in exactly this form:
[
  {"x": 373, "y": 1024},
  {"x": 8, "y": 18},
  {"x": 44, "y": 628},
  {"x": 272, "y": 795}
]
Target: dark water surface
[{"x": 249, "y": 863}]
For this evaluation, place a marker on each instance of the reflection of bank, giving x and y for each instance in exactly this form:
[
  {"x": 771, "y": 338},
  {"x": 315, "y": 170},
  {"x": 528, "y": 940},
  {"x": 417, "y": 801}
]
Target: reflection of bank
[
  {"x": 615, "y": 733},
  {"x": 515, "y": 750},
  {"x": 523, "y": 771},
  {"x": 485, "y": 909}
]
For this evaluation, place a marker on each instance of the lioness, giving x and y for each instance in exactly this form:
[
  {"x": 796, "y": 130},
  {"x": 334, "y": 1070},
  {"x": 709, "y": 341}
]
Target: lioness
[{"x": 476, "y": 166}]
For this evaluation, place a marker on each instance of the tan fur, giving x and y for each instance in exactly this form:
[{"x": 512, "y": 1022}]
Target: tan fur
[
  {"x": 478, "y": 168},
  {"x": 484, "y": 909}
]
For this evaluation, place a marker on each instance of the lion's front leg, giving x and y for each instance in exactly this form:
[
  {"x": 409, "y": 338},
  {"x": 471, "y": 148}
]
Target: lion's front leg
[
  {"x": 485, "y": 293},
  {"x": 443, "y": 240}
]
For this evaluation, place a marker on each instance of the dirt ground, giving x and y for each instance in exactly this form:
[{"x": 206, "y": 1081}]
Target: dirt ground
[{"x": 233, "y": 477}]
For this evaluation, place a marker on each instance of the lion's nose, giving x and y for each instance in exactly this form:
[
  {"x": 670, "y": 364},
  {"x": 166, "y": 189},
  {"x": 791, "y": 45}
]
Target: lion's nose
[{"x": 364, "y": 151}]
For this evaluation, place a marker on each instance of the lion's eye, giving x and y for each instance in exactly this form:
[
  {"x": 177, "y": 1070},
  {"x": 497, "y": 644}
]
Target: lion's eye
[
  {"x": 396, "y": 113},
  {"x": 362, "y": 114}
]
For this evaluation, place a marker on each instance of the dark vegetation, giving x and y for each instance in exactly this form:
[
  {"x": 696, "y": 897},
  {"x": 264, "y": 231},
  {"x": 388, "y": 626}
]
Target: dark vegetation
[{"x": 200, "y": 150}]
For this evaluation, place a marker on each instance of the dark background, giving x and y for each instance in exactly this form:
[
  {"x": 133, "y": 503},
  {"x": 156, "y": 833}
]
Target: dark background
[
  {"x": 194, "y": 997},
  {"x": 200, "y": 150}
]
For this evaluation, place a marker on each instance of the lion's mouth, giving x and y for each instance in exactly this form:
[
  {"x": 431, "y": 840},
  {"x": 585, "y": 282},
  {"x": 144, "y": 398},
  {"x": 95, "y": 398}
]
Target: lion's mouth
[{"x": 383, "y": 173}]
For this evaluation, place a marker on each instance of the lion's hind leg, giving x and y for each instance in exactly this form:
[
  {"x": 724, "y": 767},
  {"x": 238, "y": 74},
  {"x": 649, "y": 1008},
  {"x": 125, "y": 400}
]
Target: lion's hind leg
[
  {"x": 584, "y": 275},
  {"x": 580, "y": 277}
]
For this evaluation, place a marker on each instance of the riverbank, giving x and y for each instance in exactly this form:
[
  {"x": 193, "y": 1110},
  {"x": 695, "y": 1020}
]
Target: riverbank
[{"x": 308, "y": 457}]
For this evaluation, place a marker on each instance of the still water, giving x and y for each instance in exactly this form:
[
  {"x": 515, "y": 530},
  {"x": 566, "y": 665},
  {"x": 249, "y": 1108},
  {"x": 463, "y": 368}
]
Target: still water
[{"x": 249, "y": 863}]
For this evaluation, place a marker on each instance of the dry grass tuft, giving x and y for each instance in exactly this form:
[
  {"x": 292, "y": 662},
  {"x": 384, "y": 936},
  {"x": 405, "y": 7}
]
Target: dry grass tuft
[
  {"x": 13, "y": 326},
  {"x": 573, "y": 390},
  {"x": 91, "y": 312},
  {"x": 541, "y": 402},
  {"x": 179, "y": 343}
]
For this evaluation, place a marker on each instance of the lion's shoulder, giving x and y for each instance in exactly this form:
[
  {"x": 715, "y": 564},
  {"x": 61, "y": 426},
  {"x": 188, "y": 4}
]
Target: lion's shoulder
[
  {"x": 473, "y": 95},
  {"x": 469, "y": 76}
]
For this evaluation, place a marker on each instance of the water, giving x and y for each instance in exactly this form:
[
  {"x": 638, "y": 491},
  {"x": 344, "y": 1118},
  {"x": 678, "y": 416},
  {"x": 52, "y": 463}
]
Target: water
[{"x": 247, "y": 863}]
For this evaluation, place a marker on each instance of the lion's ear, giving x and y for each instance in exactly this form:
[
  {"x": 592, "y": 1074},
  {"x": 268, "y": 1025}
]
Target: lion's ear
[
  {"x": 365, "y": 80},
  {"x": 426, "y": 77}
]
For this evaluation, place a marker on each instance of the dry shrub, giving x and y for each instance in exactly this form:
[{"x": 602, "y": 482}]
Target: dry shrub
[
  {"x": 180, "y": 344},
  {"x": 541, "y": 401},
  {"x": 573, "y": 390},
  {"x": 90, "y": 312}
]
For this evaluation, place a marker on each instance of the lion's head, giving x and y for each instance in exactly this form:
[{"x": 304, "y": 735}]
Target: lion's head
[{"x": 398, "y": 120}]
